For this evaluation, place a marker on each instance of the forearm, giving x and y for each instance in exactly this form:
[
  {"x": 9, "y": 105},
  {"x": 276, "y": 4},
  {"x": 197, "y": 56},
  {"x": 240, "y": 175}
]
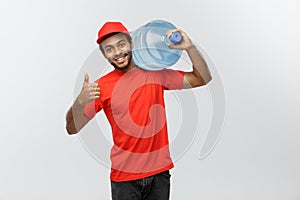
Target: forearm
[
  {"x": 76, "y": 119},
  {"x": 200, "y": 68}
]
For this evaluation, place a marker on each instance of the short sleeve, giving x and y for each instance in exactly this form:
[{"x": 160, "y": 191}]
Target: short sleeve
[
  {"x": 92, "y": 108},
  {"x": 172, "y": 79}
]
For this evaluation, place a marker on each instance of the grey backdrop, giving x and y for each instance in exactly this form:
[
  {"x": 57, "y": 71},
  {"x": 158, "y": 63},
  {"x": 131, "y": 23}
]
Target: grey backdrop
[{"x": 254, "y": 45}]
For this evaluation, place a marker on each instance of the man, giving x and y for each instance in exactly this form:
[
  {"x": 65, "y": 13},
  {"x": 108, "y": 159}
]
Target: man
[{"x": 132, "y": 99}]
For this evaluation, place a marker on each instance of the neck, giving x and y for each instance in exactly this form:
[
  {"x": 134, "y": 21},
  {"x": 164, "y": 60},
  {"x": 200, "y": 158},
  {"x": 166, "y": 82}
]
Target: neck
[{"x": 130, "y": 67}]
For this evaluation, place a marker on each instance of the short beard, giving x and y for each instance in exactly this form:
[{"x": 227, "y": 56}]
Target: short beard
[{"x": 128, "y": 63}]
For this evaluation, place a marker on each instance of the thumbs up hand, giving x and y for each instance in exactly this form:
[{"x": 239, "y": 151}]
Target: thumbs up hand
[{"x": 89, "y": 91}]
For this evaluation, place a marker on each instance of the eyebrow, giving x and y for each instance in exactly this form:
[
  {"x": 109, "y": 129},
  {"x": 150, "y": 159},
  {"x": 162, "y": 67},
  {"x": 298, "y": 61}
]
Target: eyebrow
[{"x": 110, "y": 45}]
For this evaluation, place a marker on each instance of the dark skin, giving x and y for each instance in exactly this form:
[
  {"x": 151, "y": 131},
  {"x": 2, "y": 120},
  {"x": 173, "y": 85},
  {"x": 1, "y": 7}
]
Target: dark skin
[{"x": 117, "y": 50}]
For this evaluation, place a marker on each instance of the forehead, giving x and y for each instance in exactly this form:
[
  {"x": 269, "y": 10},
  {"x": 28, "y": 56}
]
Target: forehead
[{"x": 114, "y": 39}]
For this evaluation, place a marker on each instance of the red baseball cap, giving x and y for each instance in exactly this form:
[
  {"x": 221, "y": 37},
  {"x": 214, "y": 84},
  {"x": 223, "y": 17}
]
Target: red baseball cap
[{"x": 111, "y": 27}]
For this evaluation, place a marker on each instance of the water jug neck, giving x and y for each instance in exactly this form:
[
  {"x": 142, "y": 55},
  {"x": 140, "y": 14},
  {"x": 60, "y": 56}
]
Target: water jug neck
[{"x": 174, "y": 38}]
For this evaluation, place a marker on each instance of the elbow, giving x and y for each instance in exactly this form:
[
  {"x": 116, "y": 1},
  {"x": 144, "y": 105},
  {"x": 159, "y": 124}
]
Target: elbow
[
  {"x": 203, "y": 81},
  {"x": 208, "y": 79},
  {"x": 71, "y": 130}
]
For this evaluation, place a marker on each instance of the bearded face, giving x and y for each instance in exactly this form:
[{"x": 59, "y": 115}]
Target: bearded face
[{"x": 117, "y": 50}]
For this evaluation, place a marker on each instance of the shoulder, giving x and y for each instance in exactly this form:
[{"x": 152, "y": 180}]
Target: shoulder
[
  {"x": 107, "y": 77},
  {"x": 172, "y": 72}
]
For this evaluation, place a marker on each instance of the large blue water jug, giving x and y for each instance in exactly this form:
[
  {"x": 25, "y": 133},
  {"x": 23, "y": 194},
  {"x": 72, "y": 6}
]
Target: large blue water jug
[{"x": 151, "y": 51}]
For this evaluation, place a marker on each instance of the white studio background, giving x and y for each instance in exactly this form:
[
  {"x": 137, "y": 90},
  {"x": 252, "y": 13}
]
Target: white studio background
[{"x": 255, "y": 46}]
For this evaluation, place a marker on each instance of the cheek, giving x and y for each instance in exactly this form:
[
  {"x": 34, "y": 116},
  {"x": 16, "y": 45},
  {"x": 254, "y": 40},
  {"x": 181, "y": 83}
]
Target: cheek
[
  {"x": 109, "y": 58},
  {"x": 128, "y": 48}
]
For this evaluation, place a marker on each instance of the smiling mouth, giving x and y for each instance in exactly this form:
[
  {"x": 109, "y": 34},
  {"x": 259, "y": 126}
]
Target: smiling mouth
[{"x": 121, "y": 58}]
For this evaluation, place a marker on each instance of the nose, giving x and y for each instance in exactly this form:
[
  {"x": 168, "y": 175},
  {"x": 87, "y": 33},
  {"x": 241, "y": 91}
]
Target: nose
[{"x": 117, "y": 52}]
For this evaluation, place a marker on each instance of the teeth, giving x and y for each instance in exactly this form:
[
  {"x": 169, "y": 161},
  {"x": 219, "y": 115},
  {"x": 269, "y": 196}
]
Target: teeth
[{"x": 120, "y": 59}]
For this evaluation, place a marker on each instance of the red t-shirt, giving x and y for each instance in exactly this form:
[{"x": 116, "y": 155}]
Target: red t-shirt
[{"x": 134, "y": 106}]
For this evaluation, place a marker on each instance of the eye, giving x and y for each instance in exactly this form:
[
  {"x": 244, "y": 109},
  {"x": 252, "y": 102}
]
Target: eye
[
  {"x": 122, "y": 44},
  {"x": 108, "y": 49}
]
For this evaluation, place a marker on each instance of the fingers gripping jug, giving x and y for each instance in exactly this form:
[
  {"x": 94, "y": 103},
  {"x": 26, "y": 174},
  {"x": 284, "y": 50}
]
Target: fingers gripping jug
[{"x": 151, "y": 51}]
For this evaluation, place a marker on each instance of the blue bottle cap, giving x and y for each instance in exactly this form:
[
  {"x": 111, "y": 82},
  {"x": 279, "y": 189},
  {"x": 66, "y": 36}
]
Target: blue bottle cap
[{"x": 175, "y": 37}]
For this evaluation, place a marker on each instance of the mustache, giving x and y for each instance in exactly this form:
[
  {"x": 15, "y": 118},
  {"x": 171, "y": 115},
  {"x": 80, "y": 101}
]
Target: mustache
[{"x": 123, "y": 54}]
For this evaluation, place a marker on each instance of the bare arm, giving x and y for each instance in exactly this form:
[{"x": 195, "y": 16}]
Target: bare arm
[
  {"x": 76, "y": 119},
  {"x": 200, "y": 75}
]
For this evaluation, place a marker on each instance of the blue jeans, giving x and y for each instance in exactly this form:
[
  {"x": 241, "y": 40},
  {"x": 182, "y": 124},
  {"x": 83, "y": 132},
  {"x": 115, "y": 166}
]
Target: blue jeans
[{"x": 156, "y": 187}]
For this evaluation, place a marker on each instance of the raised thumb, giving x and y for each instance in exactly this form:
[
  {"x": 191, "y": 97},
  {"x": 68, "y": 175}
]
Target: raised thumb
[{"x": 86, "y": 78}]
